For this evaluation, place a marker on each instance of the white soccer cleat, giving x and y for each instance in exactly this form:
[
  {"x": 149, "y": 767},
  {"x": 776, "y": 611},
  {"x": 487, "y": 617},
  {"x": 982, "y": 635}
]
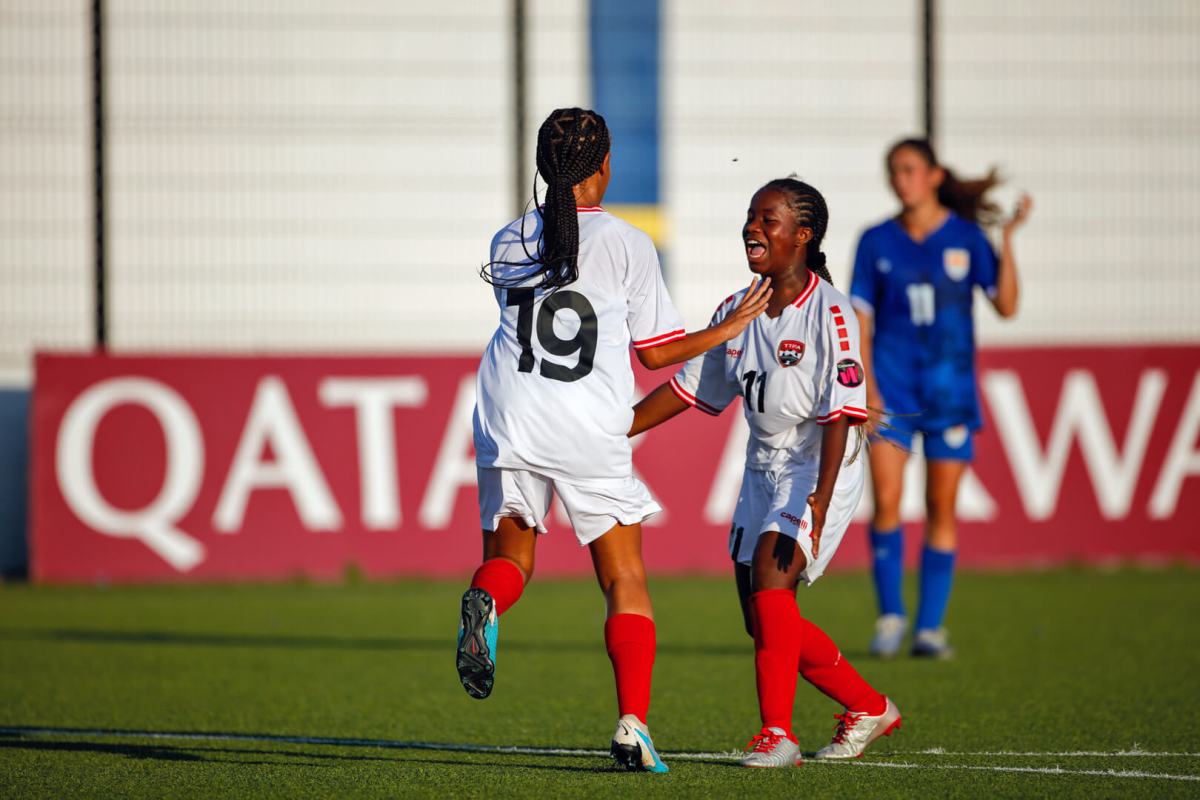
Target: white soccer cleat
[
  {"x": 855, "y": 731},
  {"x": 772, "y": 747},
  {"x": 932, "y": 643},
  {"x": 633, "y": 748},
  {"x": 889, "y": 633}
]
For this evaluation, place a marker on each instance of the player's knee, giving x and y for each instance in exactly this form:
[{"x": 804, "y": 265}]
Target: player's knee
[{"x": 887, "y": 506}]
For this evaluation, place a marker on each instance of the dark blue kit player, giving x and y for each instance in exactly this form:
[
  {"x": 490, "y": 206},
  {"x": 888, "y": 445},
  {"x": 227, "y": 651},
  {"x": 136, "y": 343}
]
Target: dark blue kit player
[{"x": 913, "y": 290}]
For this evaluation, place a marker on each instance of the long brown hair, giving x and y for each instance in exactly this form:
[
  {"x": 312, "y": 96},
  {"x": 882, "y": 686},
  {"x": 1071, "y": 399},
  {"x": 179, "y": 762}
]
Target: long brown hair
[{"x": 966, "y": 197}]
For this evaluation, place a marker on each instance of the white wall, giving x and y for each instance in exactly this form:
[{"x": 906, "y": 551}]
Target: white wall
[
  {"x": 45, "y": 181},
  {"x": 1094, "y": 107},
  {"x": 752, "y": 94},
  {"x": 307, "y": 174}
]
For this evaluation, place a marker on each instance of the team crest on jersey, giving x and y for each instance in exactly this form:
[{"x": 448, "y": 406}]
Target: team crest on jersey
[
  {"x": 790, "y": 352},
  {"x": 957, "y": 261},
  {"x": 883, "y": 265},
  {"x": 850, "y": 372}
]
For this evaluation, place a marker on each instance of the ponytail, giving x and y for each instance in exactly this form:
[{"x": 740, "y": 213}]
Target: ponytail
[
  {"x": 966, "y": 197},
  {"x": 571, "y": 147}
]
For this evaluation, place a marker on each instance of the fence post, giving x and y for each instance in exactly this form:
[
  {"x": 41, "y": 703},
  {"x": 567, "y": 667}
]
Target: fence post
[{"x": 98, "y": 150}]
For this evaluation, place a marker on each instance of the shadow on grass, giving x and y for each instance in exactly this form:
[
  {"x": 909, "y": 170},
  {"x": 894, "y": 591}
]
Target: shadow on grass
[
  {"x": 76, "y": 740},
  {"x": 155, "y": 752},
  {"x": 285, "y": 641}
]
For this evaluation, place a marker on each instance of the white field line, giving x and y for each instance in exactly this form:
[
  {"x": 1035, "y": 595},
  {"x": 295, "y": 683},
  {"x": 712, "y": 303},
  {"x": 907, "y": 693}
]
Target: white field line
[
  {"x": 730, "y": 755},
  {"x": 1103, "y": 773},
  {"x": 1136, "y": 752}
]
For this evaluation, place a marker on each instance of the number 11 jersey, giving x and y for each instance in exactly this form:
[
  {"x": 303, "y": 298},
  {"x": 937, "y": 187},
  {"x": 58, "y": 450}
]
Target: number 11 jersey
[
  {"x": 555, "y": 391},
  {"x": 795, "y": 373}
]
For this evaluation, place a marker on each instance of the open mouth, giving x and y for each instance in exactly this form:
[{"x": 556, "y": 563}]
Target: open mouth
[{"x": 755, "y": 249}]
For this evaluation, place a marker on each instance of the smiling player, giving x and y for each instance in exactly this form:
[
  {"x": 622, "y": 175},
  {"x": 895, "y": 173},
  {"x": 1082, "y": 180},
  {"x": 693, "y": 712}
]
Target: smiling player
[{"x": 798, "y": 371}]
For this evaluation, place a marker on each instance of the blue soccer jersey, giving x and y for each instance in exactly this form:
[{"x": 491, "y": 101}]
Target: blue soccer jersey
[{"x": 920, "y": 296}]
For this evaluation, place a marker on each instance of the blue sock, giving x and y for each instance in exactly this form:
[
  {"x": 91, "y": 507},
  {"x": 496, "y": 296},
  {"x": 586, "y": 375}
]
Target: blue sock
[
  {"x": 887, "y": 568},
  {"x": 937, "y": 575}
]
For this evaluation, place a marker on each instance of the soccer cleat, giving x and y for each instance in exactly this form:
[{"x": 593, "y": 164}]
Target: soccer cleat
[
  {"x": 632, "y": 747},
  {"x": 889, "y": 631},
  {"x": 855, "y": 731},
  {"x": 931, "y": 643},
  {"x": 476, "y": 656},
  {"x": 772, "y": 747}
]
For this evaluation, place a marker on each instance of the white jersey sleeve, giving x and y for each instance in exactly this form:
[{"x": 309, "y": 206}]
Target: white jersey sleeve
[
  {"x": 845, "y": 391},
  {"x": 652, "y": 318},
  {"x": 705, "y": 382}
]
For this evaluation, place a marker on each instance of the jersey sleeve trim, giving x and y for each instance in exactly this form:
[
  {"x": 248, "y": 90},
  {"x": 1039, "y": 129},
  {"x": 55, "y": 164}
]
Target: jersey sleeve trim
[
  {"x": 691, "y": 399},
  {"x": 854, "y": 414},
  {"x": 662, "y": 338}
]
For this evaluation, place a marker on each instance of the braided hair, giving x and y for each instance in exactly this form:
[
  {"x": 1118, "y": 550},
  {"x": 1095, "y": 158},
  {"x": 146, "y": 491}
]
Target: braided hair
[
  {"x": 966, "y": 197},
  {"x": 809, "y": 208},
  {"x": 571, "y": 147}
]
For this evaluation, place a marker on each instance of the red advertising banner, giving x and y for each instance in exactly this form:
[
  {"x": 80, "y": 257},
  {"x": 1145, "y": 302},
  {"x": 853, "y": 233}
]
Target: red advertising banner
[{"x": 214, "y": 468}]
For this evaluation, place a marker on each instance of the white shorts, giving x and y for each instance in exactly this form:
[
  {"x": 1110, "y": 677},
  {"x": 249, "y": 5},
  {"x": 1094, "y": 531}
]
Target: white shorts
[
  {"x": 777, "y": 500},
  {"x": 593, "y": 507}
]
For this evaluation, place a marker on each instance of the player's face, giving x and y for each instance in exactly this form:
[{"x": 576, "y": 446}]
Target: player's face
[
  {"x": 774, "y": 243},
  {"x": 914, "y": 180}
]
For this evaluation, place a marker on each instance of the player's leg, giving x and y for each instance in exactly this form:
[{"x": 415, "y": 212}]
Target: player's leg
[
  {"x": 943, "y": 477},
  {"x": 629, "y": 636},
  {"x": 868, "y": 714},
  {"x": 777, "y": 565},
  {"x": 888, "y": 454},
  {"x": 512, "y": 506}
]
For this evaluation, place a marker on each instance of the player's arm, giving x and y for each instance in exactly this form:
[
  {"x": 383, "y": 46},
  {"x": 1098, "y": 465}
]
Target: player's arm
[
  {"x": 833, "y": 450},
  {"x": 655, "y": 409},
  {"x": 692, "y": 345},
  {"x": 1007, "y": 289}
]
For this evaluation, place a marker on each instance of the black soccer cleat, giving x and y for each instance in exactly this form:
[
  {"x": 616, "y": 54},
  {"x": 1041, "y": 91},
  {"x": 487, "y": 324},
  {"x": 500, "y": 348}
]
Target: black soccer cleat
[{"x": 475, "y": 657}]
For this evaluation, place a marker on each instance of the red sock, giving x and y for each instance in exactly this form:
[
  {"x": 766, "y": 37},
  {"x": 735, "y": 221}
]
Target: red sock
[
  {"x": 822, "y": 665},
  {"x": 630, "y": 641},
  {"x": 500, "y": 578},
  {"x": 776, "y": 653}
]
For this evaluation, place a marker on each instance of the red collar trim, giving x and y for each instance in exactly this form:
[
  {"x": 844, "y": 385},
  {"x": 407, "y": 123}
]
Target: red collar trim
[{"x": 808, "y": 290}]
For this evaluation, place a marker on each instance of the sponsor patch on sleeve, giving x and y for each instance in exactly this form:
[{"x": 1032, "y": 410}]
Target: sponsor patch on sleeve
[{"x": 849, "y": 372}]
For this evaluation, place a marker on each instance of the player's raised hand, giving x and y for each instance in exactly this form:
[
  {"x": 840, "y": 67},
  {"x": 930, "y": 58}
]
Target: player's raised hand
[
  {"x": 819, "y": 506},
  {"x": 1020, "y": 214},
  {"x": 753, "y": 304}
]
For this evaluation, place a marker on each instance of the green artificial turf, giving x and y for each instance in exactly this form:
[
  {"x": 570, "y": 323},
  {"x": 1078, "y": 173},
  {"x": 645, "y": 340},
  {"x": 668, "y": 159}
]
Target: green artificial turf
[{"x": 1049, "y": 664}]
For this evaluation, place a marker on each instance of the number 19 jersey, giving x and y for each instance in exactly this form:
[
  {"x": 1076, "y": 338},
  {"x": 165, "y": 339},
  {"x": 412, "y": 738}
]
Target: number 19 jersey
[
  {"x": 554, "y": 391},
  {"x": 795, "y": 373}
]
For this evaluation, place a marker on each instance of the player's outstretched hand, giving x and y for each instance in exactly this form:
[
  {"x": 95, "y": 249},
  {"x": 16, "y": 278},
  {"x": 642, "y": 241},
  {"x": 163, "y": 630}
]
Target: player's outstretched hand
[
  {"x": 1020, "y": 214},
  {"x": 819, "y": 506},
  {"x": 753, "y": 304}
]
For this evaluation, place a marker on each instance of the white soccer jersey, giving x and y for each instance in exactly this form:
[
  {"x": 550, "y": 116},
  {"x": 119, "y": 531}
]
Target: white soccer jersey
[
  {"x": 795, "y": 373},
  {"x": 555, "y": 387}
]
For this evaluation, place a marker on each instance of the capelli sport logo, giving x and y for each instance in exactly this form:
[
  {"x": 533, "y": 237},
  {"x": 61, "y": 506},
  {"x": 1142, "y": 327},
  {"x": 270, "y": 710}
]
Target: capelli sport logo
[
  {"x": 849, "y": 372},
  {"x": 790, "y": 352}
]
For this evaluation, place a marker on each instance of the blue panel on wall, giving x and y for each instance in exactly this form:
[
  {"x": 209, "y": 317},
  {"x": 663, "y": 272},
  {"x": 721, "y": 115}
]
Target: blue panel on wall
[
  {"x": 625, "y": 90},
  {"x": 14, "y": 480}
]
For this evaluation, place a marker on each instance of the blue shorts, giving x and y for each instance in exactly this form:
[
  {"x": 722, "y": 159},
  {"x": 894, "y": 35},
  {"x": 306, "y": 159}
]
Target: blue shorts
[{"x": 956, "y": 443}]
